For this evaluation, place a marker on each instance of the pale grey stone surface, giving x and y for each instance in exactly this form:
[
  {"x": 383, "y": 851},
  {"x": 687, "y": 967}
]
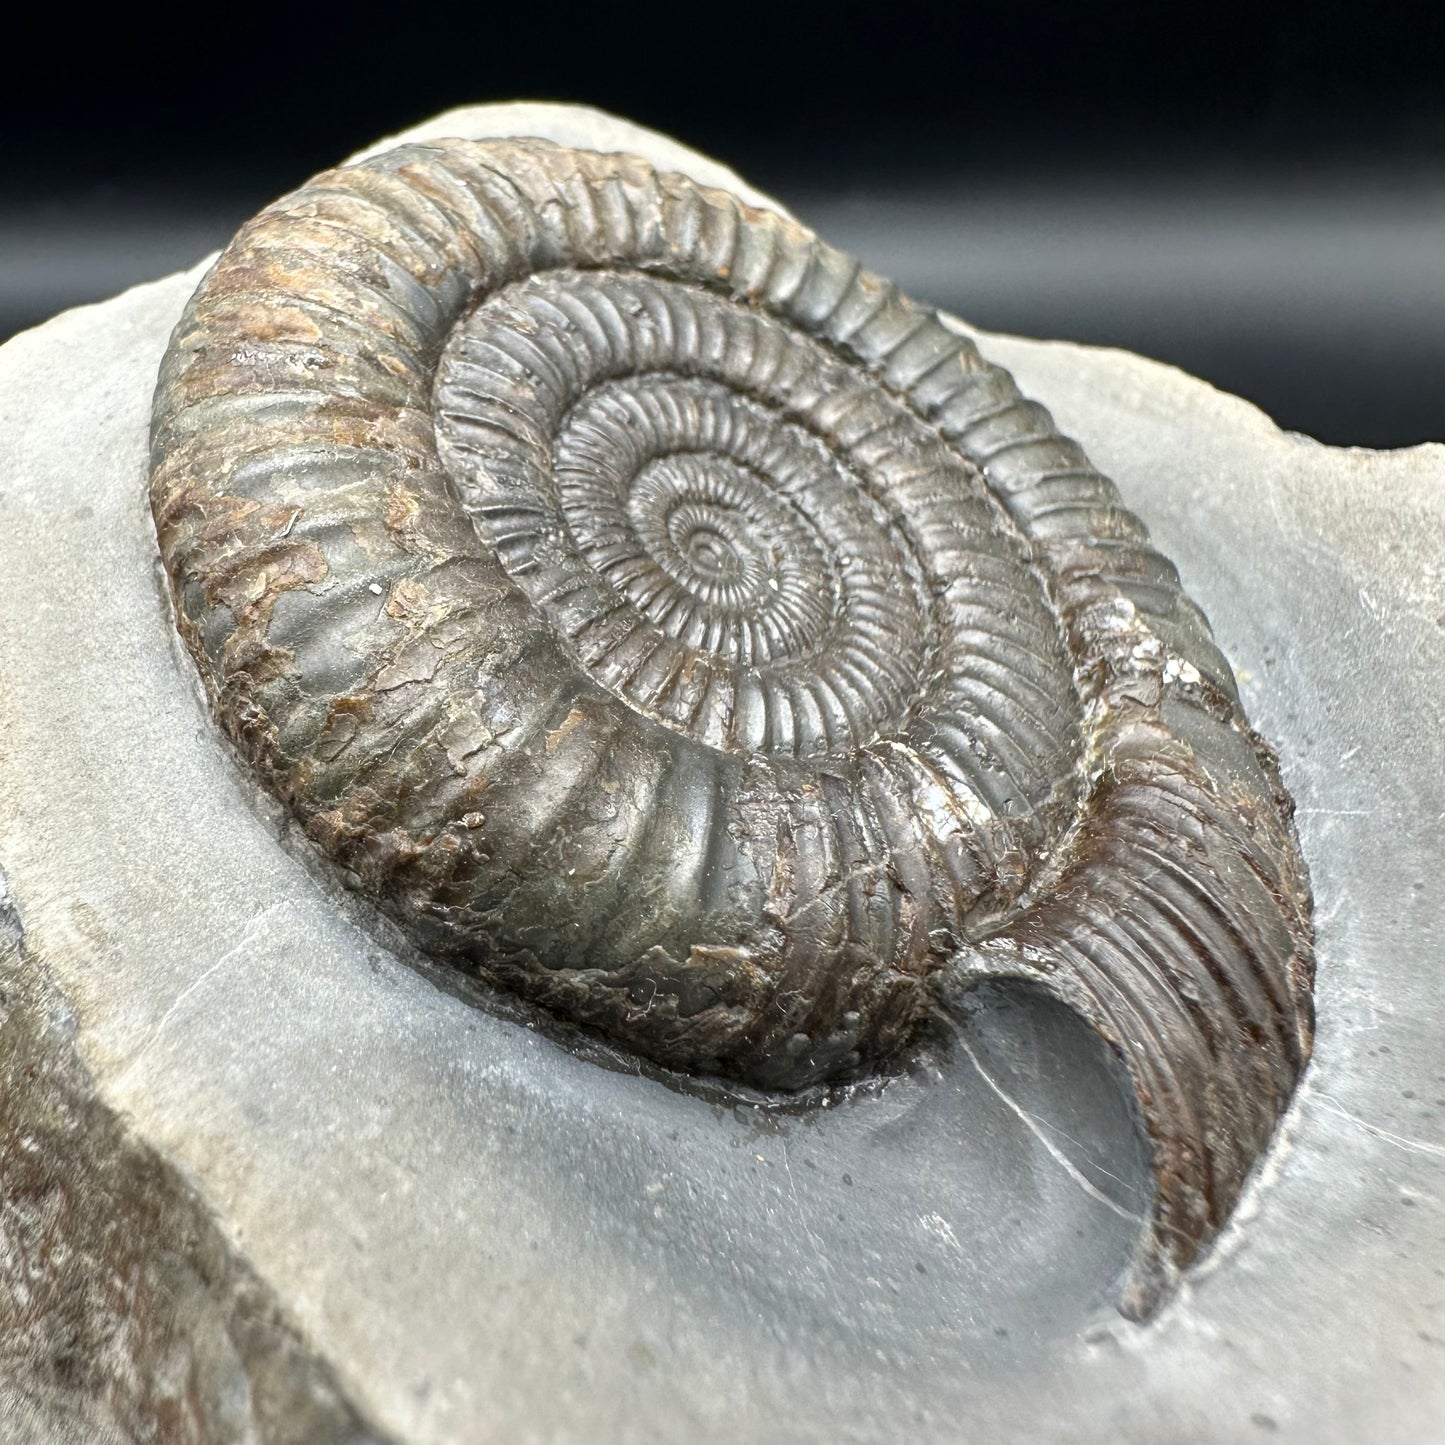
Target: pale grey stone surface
[{"x": 491, "y": 1239}]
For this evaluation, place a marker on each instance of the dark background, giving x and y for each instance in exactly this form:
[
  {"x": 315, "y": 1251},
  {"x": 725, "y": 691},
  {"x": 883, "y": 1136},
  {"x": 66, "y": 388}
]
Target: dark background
[{"x": 1256, "y": 193}]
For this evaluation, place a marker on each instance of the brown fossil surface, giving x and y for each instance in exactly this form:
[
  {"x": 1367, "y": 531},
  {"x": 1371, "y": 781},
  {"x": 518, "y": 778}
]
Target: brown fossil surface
[
  {"x": 660, "y": 615},
  {"x": 126, "y": 1314}
]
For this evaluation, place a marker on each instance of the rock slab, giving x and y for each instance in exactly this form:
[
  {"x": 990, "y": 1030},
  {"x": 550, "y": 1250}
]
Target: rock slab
[{"x": 259, "y": 1174}]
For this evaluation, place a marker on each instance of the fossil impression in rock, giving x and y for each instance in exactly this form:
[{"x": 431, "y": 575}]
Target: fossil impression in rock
[{"x": 664, "y": 618}]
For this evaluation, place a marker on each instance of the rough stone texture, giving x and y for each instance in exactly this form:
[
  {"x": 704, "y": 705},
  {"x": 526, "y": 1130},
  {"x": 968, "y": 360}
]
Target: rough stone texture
[
  {"x": 124, "y": 1313},
  {"x": 480, "y": 1234}
]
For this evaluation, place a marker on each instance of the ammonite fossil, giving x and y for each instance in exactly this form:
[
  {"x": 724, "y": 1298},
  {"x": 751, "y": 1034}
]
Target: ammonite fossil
[{"x": 661, "y": 616}]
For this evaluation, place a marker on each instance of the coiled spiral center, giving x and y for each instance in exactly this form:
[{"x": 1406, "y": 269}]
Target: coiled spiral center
[{"x": 713, "y": 551}]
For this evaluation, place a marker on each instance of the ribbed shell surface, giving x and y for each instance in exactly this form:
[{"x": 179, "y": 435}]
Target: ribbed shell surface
[{"x": 658, "y": 613}]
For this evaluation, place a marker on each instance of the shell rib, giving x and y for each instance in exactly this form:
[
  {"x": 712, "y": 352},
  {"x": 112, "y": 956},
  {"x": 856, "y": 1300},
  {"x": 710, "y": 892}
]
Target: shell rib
[{"x": 662, "y": 616}]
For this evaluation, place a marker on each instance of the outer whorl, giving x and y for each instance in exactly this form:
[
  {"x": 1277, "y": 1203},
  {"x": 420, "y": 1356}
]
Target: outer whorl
[{"x": 659, "y": 614}]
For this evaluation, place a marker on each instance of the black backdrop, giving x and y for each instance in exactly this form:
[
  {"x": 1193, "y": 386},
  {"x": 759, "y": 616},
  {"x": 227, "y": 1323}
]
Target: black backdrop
[{"x": 1255, "y": 192}]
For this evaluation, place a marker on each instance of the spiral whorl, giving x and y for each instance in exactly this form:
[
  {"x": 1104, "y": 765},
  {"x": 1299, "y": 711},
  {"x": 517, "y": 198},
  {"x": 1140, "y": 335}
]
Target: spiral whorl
[{"x": 660, "y": 614}]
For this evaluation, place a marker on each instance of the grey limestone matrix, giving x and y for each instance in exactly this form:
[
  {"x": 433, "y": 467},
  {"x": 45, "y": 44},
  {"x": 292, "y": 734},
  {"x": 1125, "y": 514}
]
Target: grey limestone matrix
[{"x": 609, "y": 833}]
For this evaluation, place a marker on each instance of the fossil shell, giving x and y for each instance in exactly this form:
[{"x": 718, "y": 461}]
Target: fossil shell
[{"x": 662, "y": 616}]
